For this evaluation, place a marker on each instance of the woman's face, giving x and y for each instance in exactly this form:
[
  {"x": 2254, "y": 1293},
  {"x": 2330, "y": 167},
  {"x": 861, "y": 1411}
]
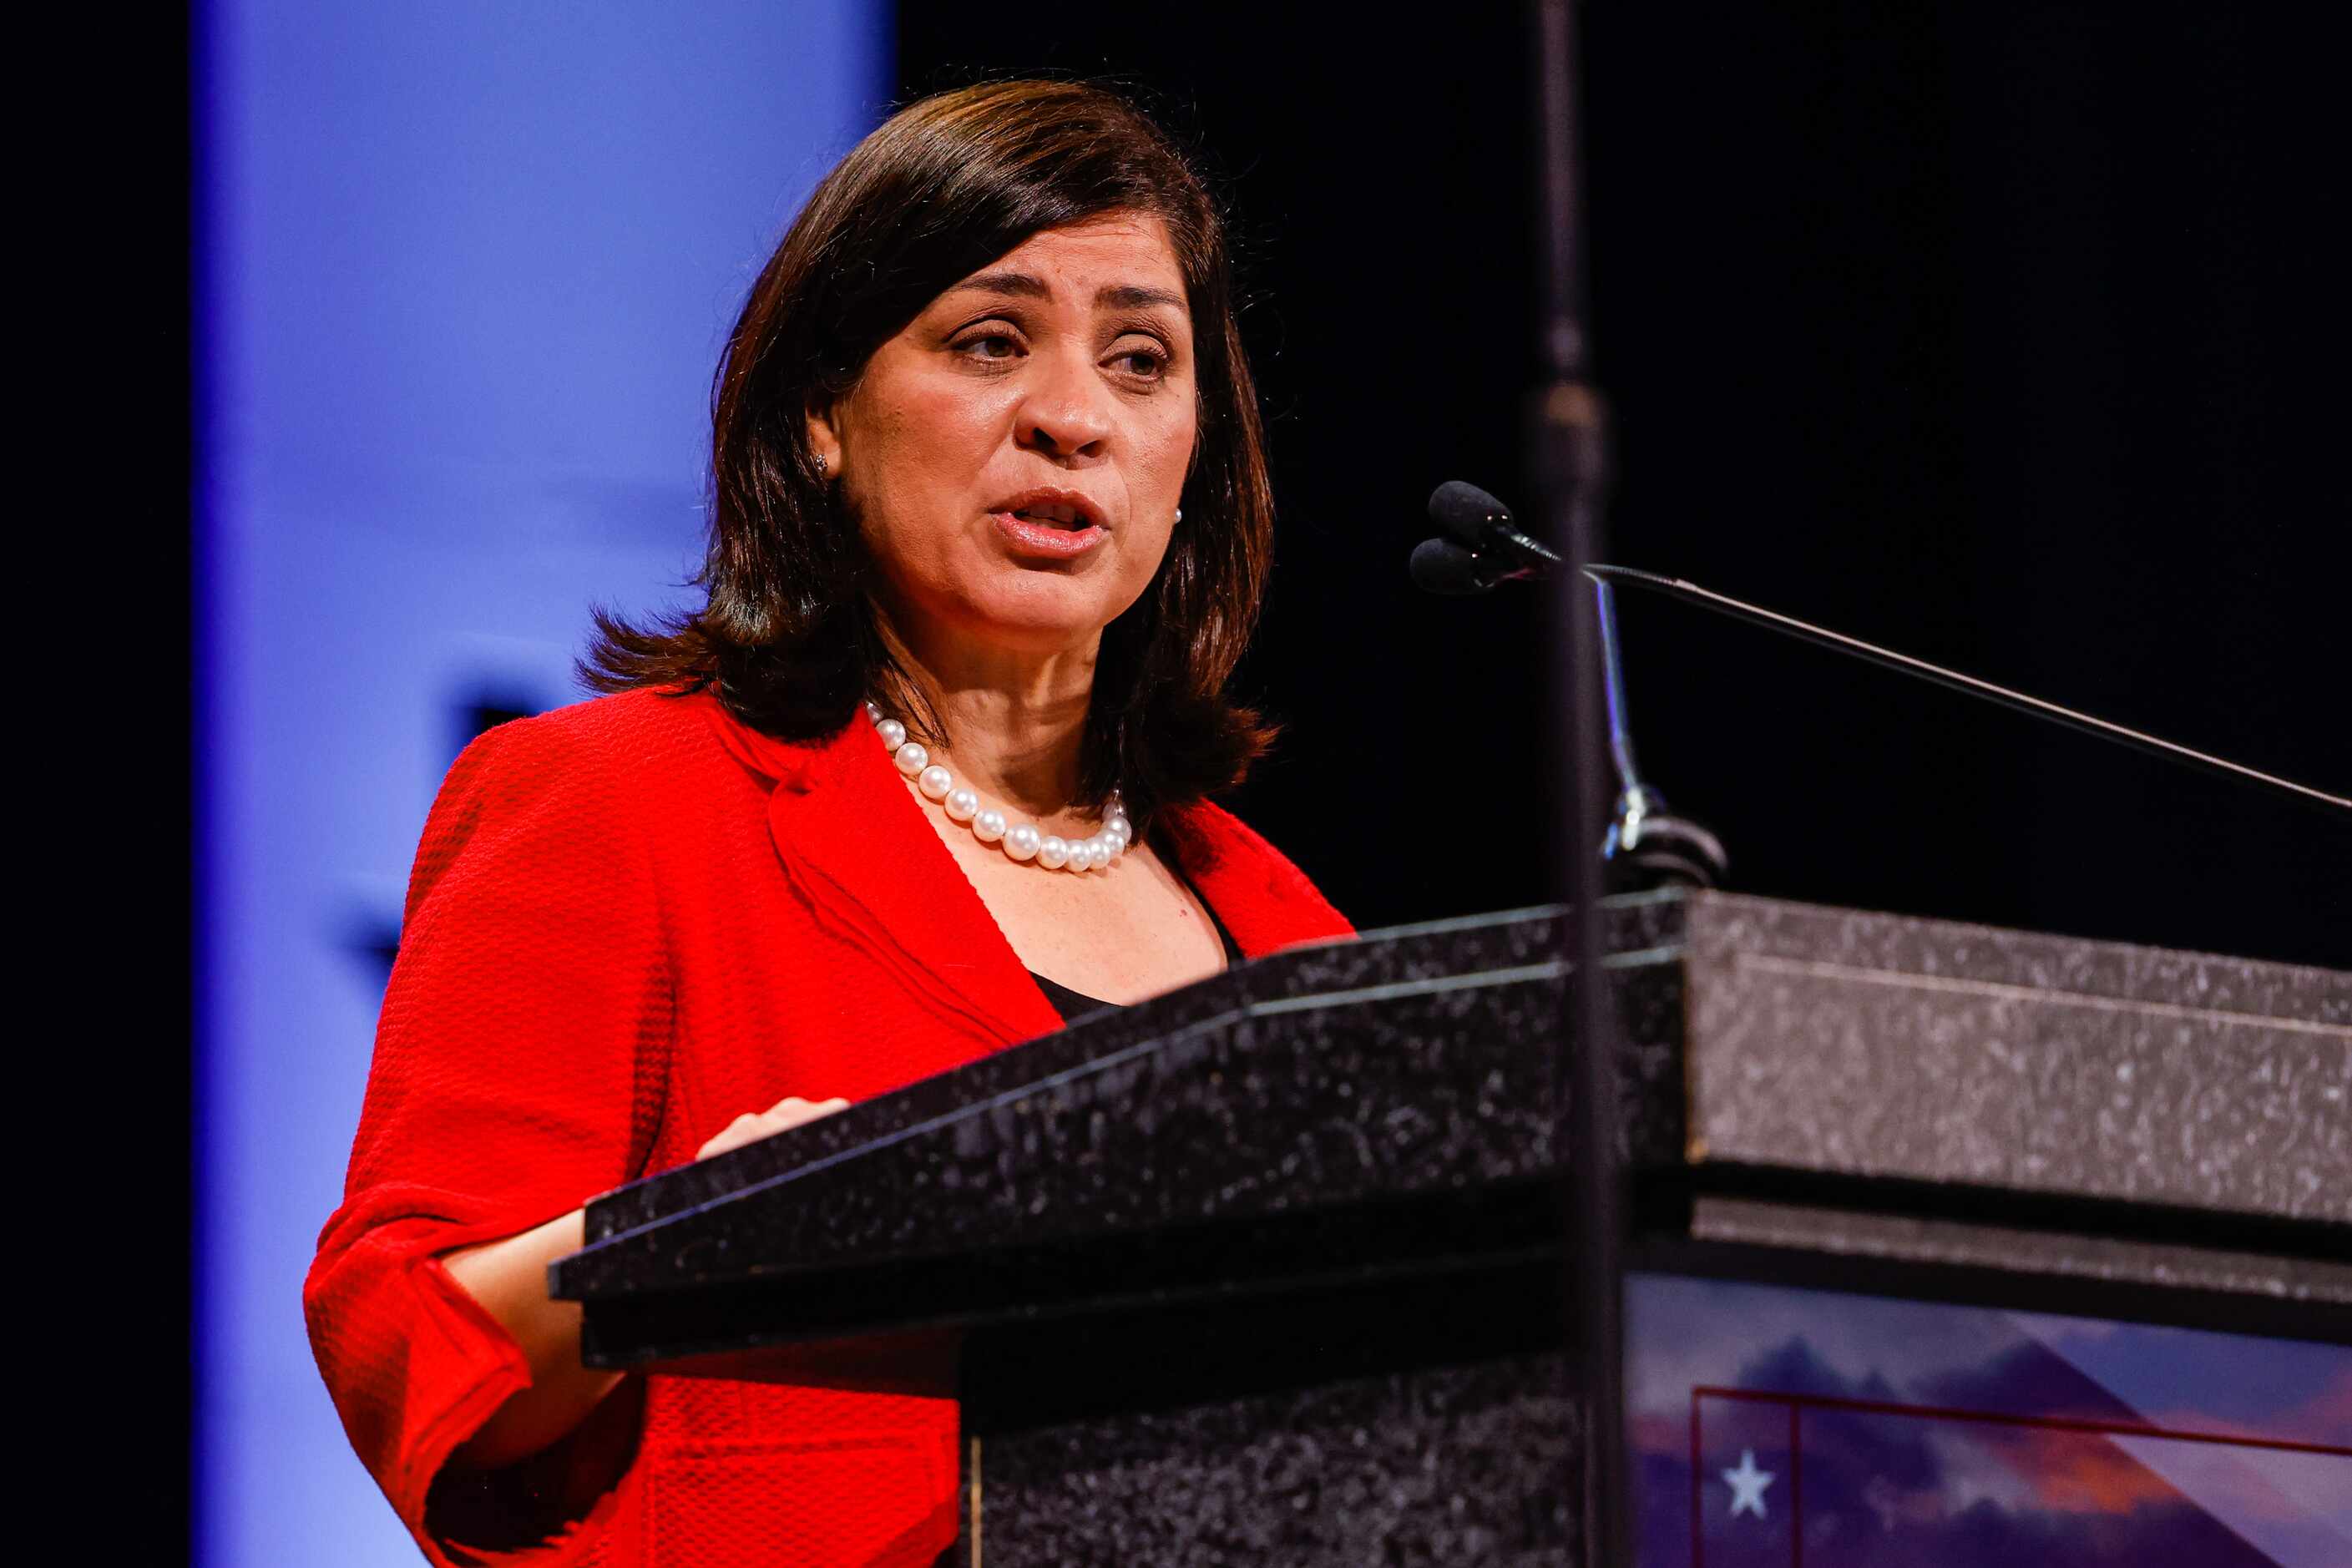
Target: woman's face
[{"x": 1017, "y": 455}]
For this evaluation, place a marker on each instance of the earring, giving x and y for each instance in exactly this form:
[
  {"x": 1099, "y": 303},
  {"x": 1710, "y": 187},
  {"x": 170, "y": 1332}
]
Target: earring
[{"x": 1180, "y": 514}]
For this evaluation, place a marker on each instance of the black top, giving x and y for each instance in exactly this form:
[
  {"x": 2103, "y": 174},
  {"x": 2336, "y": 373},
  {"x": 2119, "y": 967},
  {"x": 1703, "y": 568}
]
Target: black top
[{"x": 1072, "y": 1003}]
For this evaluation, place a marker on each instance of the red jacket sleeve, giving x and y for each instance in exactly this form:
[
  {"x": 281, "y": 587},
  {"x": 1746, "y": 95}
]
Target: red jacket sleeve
[{"x": 518, "y": 1071}]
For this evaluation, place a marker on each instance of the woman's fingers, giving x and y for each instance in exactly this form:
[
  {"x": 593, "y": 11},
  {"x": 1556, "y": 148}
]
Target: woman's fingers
[
  {"x": 741, "y": 1131},
  {"x": 752, "y": 1126},
  {"x": 792, "y": 1112}
]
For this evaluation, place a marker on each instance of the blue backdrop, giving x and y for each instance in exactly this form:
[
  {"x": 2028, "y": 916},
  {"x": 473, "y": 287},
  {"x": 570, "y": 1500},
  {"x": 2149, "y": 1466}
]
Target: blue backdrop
[{"x": 464, "y": 272}]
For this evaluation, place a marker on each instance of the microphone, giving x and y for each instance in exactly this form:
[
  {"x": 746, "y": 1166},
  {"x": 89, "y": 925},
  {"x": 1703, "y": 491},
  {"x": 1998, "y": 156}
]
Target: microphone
[
  {"x": 1487, "y": 548},
  {"x": 1441, "y": 566},
  {"x": 1493, "y": 551},
  {"x": 1484, "y": 524}
]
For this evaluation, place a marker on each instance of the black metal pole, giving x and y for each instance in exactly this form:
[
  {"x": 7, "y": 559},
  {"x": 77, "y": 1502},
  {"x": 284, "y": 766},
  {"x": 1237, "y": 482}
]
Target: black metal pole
[{"x": 1569, "y": 452}]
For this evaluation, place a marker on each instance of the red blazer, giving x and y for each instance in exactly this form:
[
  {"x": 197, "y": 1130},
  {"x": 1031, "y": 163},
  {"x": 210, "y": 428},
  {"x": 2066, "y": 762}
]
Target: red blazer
[{"x": 629, "y": 921}]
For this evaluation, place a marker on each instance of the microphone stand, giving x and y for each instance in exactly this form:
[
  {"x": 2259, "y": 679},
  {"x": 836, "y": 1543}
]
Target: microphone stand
[{"x": 1567, "y": 452}]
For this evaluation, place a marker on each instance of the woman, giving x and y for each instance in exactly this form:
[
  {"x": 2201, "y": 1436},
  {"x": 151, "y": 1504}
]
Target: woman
[{"x": 925, "y": 777}]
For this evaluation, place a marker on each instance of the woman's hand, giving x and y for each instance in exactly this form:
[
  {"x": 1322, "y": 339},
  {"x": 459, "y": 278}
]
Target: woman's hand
[
  {"x": 509, "y": 1278},
  {"x": 754, "y": 1125}
]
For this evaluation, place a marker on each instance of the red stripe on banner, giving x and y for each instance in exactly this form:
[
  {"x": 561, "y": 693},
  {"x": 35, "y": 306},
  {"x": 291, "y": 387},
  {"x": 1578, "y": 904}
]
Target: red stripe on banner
[{"x": 1994, "y": 1418}]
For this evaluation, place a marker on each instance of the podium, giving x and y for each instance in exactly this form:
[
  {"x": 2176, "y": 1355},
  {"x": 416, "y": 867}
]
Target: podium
[{"x": 1268, "y": 1269}]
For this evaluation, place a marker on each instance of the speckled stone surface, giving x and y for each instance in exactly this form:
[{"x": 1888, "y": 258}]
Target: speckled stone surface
[
  {"x": 2108, "y": 1260},
  {"x": 1880, "y": 1046},
  {"x": 1426, "y": 1422},
  {"x": 1450, "y": 1465}
]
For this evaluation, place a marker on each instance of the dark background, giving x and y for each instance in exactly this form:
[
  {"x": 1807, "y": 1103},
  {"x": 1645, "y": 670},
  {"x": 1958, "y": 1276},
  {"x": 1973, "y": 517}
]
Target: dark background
[{"x": 2011, "y": 338}]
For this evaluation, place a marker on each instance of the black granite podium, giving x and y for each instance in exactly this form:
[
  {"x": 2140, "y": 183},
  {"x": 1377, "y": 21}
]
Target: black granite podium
[{"x": 1266, "y": 1270}]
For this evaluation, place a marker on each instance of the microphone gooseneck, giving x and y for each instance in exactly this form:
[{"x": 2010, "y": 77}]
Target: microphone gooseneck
[
  {"x": 1647, "y": 846},
  {"x": 2024, "y": 702},
  {"x": 1479, "y": 568}
]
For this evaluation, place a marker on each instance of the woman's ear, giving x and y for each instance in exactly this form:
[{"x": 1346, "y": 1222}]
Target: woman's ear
[{"x": 824, "y": 439}]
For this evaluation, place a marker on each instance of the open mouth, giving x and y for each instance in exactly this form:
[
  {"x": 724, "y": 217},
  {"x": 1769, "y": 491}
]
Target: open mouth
[
  {"x": 1058, "y": 525},
  {"x": 1053, "y": 514},
  {"x": 1050, "y": 508}
]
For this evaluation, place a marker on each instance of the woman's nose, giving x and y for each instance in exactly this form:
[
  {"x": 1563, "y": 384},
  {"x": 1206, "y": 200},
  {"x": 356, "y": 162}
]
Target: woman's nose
[{"x": 1066, "y": 414}]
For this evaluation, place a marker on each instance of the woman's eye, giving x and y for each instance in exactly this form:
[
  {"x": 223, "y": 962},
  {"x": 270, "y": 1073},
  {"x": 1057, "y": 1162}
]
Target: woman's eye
[
  {"x": 1147, "y": 363},
  {"x": 992, "y": 346}
]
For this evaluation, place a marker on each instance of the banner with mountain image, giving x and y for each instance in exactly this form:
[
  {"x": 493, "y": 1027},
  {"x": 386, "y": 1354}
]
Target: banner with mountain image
[{"x": 1782, "y": 1428}]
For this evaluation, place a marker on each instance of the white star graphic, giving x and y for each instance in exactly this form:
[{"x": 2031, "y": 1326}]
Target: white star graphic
[{"x": 1748, "y": 1484}]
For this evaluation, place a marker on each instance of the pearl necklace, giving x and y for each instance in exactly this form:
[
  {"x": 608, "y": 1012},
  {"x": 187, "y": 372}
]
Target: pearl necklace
[{"x": 1021, "y": 840}]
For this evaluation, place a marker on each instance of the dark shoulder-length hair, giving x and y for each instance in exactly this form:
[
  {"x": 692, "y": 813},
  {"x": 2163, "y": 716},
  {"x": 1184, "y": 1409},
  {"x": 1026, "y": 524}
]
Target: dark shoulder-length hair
[{"x": 790, "y": 635}]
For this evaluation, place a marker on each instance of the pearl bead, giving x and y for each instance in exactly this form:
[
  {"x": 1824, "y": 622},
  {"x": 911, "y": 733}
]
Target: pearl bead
[{"x": 1022, "y": 841}]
